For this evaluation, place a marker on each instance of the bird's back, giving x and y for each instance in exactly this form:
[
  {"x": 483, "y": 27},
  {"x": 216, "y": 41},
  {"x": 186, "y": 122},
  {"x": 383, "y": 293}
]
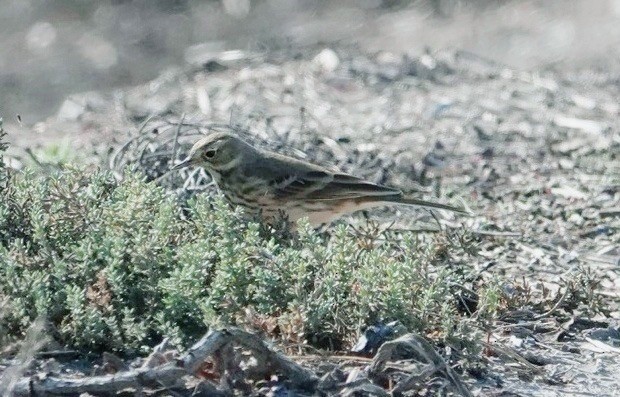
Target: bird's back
[{"x": 289, "y": 176}]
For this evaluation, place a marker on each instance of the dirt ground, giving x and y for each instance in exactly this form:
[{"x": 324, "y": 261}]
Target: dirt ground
[{"x": 532, "y": 150}]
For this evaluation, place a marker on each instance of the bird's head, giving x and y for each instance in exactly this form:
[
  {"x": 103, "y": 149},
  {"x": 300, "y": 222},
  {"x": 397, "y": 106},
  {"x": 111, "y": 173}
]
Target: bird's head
[{"x": 216, "y": 152}]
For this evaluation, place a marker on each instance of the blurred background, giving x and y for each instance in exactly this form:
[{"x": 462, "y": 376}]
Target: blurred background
[{"x": 49, "y": 49}]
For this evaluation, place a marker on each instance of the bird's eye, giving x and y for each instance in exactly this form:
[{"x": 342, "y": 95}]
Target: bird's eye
[{"x": 209, "y": 154}]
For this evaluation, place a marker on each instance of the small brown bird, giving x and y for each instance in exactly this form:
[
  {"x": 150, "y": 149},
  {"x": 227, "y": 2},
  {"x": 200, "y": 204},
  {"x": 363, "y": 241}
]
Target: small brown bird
[{"x": 272, "y": 184}]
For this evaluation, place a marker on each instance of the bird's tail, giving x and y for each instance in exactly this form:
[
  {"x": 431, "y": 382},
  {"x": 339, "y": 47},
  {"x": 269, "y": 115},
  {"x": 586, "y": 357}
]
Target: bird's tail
[{"x": 398, "y": 199}]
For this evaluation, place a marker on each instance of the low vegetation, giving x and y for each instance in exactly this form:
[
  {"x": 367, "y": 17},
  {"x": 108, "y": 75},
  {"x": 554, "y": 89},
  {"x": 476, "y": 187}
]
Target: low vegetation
[{"x": 118, "y": 265}]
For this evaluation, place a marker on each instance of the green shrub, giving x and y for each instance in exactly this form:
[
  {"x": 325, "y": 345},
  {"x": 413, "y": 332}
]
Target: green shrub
[{"x": 117, "y": 265}]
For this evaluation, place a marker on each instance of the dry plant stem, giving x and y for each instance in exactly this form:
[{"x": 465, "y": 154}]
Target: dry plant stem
[
  {"x": 170, "y": 373},
  {"x": 175, "y": 146},
  {"x": 424, "y": 352},
  {"x": 555, "y": 307},
  {"x": 509, "y": 352},
  {"x": 364, "y": 388},
  {"x": 414, "y": 380},
  {"x": 120, "y": 152},
  {"x": 34, "y": 158}
]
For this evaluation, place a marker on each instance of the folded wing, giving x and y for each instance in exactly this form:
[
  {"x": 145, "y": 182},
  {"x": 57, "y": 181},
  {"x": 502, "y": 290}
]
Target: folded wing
[{"x": 323, "y": 185}]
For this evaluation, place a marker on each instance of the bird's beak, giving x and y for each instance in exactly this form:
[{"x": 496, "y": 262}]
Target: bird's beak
[{"x": 185, "y": 163}]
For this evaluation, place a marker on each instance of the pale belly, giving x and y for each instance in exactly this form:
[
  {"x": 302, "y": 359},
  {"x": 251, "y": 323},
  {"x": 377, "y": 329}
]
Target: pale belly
[{"x": 322, "y": 213}]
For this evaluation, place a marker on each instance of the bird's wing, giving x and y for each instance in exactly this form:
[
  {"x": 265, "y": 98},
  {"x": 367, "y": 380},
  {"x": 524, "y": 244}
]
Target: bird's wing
[
  {"x": 292, "y": 178},
  {"x": 324, "y": 185}
]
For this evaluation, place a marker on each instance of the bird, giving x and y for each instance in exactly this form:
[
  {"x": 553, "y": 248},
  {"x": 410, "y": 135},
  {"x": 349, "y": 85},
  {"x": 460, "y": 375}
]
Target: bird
[{"x": 273, "y": 185}]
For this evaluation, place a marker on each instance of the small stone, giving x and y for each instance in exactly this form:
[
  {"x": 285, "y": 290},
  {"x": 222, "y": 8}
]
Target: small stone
[
  {"x": 71, "y": 110},
  {"x": 576, "y": 219},
  {"x": 515, "y": 341},
  {"x": 566, "y": 164},
  {"x": 326, "y": 61}
]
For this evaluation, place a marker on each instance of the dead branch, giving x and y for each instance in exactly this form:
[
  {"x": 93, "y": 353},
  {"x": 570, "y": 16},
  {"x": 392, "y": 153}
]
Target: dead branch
[
  {"x": 136, "y": 379},
  {"x": 170, "y": 374}
]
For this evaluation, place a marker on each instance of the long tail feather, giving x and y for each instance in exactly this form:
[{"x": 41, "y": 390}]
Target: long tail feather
[{"x": 425, "y": 204}]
